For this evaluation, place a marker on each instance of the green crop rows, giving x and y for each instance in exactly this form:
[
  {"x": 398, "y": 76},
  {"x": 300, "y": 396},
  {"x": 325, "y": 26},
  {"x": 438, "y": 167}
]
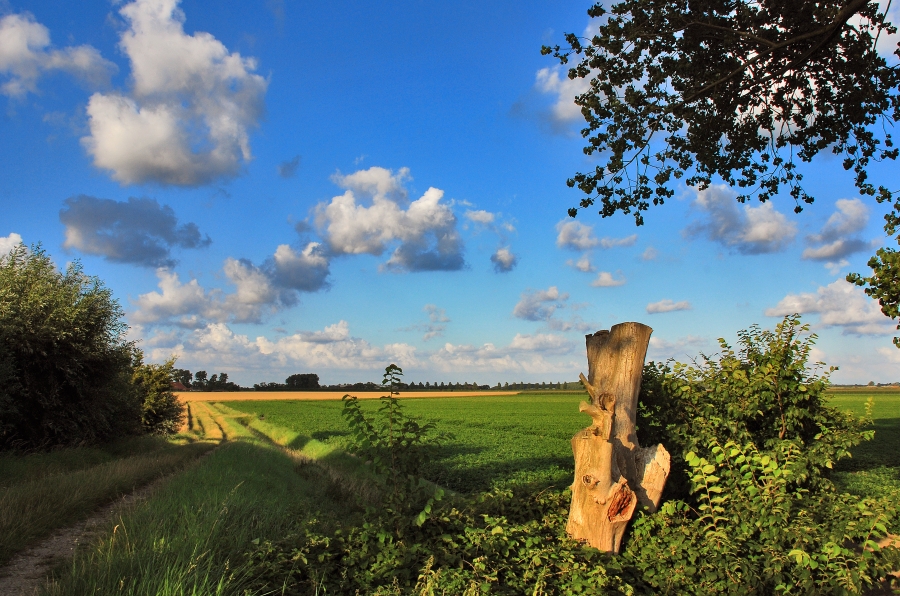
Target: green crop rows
[{"x": 520, "y": 438}]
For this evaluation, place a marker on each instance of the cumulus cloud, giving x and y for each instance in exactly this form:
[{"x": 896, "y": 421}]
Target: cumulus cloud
[
  {"x": 424, "y": 234},
  {"x": 667, "y": 306},
  {"x": 583, "y": 264},
  {"x": 259, "y": 291},
  {"x": 187, "y": 117},
  {"x": 7, "y": 243},
  {"x": 504, "y": 260},
  {"x": 838, "y": 237},
  {"x": 216, "y": 344},
  {"x": 288, "y": 169},
  {"x": 525, "y": 353},
  {"x": 334, "y": 347},
  {"x": 839, "y": 304},
  {"x": 138, "y": 231},
  {"x": 564, "y": 91},
  {"x": 605, "y": 279},
  {"x": 539, "y": 305},
  {"x": 305, "y": 271},
  {"x": 748, "y": 230},
  {"x": 575, "y": 235},
  {"x": 543, "y": 305},
  {"x": 480, "y": 216},
  {"x": 26, "y": 55}
]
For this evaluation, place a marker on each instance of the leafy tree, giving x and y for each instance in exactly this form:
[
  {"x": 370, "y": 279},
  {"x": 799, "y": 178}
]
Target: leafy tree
[
  {"x": 161, "y": 412},
  {"x": 302, "y": 381},
  {"x": 183, "y": 376},
  {"x": 739, "y": 90},
  {"x": 200, "y": 379},
  {"x": 65, "y": 365}
]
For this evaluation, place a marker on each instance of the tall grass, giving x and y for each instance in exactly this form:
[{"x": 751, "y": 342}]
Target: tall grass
[
  {"x": 31, "y": 509},
  {"x": 189, "y": 537}
]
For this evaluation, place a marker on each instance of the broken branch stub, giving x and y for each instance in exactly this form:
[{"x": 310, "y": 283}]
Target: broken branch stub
[{"x": 613, "y": 473}]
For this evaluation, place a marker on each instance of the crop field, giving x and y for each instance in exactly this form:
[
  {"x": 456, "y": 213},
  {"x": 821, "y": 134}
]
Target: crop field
[
  {"x": 501, "y": 439},
  {"x": 189, "y": 396}
]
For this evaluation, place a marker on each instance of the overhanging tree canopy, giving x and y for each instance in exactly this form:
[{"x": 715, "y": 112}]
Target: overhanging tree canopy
[{"x": 737, "y": 89}]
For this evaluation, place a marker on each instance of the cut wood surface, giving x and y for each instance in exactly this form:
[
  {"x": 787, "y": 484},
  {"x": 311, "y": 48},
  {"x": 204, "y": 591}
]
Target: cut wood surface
[
  {"x": 613, "y": 473},
  {"x": 188, "y": 396}
]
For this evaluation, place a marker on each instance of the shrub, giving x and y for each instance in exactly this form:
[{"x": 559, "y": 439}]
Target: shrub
[
  {"x": 161, "y": 412},
  {"x": 65, "y": 366}
]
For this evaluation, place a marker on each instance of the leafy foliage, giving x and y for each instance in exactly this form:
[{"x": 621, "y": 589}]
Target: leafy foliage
[
  {"x": 396, "y": 446},
  {"x": 161, "y": 412},
  {"x": 739, "y": 89},
  {"x": 65, "y": 365},
  {"x": 884, "y": 283}
]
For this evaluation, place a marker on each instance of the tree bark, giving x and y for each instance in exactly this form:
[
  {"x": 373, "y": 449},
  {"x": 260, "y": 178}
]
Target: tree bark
[{"x": 613, "y": 473}]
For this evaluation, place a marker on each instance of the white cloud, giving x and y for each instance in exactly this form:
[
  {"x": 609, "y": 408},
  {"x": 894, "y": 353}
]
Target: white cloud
[
  {"x": 836, "y": 240},
  {"x": 258, "y": 291},
  {"x": 650, "y": 254},
  {"x": 605, "y": 279},
  {"x": 7, "y": 243},
  {"x": 583, "y": 264},
  {"x": 504, "y": 260},
  {"x": 575, "y": 235},
  {"x": 748, "y": 230},
  {"x": 565, "y": 90},
  {"x": 839, "y": 304},
  {"x": 539, "y": 305},
  {"x": 547, "y": 343},
  {"x": 192, "y": 103},
  {"x": 334, "y": 347},
  {"x": 426, "y": 232},
  {"x": 376, "y": 182},
  {"x": 25, "y": 56},
  {"x": 667, "y": 306},
  {"x": 525, "y": 353},
  {"x": 480, "y": 216}
]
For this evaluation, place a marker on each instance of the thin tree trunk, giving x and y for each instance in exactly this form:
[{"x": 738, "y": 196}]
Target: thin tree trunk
[{"x": 613, "y": 473}]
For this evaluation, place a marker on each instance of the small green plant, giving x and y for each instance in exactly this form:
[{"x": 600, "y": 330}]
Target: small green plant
[
  {"x": 161, "y": 412},
  {"x": 396, "y": 446}
]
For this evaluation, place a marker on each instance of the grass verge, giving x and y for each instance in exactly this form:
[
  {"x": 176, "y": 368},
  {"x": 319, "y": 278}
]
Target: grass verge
[
  {"x": 32, "y": 509},
  {"x": 190, "y": 536}
]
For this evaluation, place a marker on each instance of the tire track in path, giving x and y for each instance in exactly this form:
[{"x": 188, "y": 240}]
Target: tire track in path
[{"x": 26, "y": 572}]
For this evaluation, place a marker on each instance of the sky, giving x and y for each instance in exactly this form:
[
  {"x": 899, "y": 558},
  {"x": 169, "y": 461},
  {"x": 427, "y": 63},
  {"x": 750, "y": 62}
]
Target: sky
[{"x": 274, "y": 187}]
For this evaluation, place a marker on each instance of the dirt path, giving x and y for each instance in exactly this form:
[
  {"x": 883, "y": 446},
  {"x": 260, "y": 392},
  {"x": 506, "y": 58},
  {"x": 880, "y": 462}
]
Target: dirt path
[{"x": 26, "y": 572}]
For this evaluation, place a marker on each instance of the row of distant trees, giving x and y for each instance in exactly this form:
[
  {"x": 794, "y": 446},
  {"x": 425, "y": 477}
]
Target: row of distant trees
[{"x": 199, "y": 381}]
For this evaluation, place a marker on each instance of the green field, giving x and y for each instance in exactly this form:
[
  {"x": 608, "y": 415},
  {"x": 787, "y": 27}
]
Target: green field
[{"x": 526, "y": 437}]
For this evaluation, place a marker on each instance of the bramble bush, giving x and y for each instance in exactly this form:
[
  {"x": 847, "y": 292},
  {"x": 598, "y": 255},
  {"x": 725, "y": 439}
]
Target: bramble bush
[
  {"x": 161, "y": 412},
  {"x": 749, "y": 509}
]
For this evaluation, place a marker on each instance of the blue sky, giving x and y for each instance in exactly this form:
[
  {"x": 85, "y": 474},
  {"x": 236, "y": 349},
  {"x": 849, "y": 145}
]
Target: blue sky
[{"x": 275, "y": 187}]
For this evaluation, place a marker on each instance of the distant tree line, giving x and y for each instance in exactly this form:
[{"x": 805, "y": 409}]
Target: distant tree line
[
  {"x": 68, "y": 375},
  {"x": 199, "y": 381}
]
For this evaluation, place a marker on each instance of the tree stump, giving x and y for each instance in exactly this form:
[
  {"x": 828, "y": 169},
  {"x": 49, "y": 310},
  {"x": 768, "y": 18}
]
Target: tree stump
[{"x": 613, "y": 473}]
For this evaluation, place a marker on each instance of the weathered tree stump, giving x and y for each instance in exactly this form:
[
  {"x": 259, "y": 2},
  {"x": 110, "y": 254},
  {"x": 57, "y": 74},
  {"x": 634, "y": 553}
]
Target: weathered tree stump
[{"x": 613, "y": 473}]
